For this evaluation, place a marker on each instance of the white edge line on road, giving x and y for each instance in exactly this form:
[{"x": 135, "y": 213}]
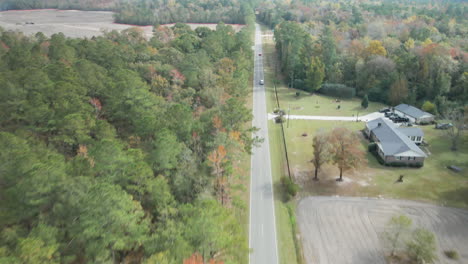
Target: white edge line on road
[
  {"x": 273, "y": 201},
  {"x": 271, "y": 176},
  {"x": 269, "y": 167},
  {"x": 250, "y": 205}
]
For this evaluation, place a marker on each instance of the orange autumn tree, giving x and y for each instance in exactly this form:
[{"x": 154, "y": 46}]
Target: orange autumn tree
[
  {"x": 346, "y": 151},
  {"x": 217, "y": 159},
  {"x": 196, "y": 258}
]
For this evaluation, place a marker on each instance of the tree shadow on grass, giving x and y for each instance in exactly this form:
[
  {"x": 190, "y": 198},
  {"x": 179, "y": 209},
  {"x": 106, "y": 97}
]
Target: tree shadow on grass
[{"x": 457, "y": 196}]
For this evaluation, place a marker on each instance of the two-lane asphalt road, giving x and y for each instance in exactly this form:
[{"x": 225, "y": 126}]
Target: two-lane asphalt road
[{"x": 262, "y": 238}]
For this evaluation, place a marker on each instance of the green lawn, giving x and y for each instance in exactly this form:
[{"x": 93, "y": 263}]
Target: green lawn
[
  {"x": 285, "y": 232},
  {"x": 432, "y": 183},
  {"x": 306, "y": 103},
  {"x": 321, "y": 105}
]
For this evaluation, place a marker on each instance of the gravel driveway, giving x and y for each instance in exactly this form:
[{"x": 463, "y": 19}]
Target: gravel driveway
[
  {"x": 363, "y": 118},
  {"x": 339, "y": 230}
]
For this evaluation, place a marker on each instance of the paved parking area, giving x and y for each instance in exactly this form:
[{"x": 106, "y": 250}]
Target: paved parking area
[{"x": 339, "y": 230}]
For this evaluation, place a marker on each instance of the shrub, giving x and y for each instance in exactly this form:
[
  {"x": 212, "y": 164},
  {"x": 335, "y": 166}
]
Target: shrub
[
  {"x": 372, "y": 147},
  {"x": 379, "y": 159},
  {"x": 299, "y": 84},
  {"x": 290, "y": 188},
  {"x": 279, "y": 119},
  {"x": 451, "y": 254},
  {"x": 298, "y": 94},
  {"x": 422, "y": 246},
  {"x": 278, "y": 111},
  {"x": 396, "y": 164},
  {"x": 338, "y": 90},
  {"x": 416, "y": 165},
  {"x": 429, "y": 107}
]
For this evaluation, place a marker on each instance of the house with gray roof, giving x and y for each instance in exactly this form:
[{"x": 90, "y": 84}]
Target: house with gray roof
[
  {"x": 415, "y": 115},
  {"x": 414, "y": 133},
  {"x": 395, "y": 145}
]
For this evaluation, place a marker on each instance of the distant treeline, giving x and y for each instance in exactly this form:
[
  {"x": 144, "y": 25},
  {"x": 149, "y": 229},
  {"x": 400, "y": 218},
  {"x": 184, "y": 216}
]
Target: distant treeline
[
  {"x": 151, "y": 12},
  {"x": 392, "y": 51}
]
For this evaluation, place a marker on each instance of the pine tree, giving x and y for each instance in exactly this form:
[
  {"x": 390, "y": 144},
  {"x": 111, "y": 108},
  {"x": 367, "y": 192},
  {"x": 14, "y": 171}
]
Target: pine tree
[{"x": 365, "y": 102}]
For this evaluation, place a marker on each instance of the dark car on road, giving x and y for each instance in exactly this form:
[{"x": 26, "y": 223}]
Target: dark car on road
[{"x": 385, "y": 110}]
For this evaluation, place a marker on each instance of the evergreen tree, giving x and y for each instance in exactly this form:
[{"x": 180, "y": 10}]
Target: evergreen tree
[
  {"x": 315, "y": 73},
  {"x": 365, "y": 102}
]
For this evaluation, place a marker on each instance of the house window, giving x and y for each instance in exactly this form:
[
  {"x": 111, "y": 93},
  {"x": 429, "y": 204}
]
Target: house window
[
  {"x": 398, "y": 157},
  {"x": 409, "y": 158},
  {"x": 418, "y": 139},
  {"x": 412, "y": 138}
]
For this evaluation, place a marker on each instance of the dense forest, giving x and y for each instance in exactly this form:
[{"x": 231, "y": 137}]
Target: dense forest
[
  {"x": 392, "y": 51},
  {"x": 154, "y": 12},
  {"x": 118, "y": 149}
]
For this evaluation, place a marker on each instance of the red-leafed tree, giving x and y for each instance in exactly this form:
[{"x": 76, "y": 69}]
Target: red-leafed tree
[
  {"x": 196, "y": 258},
  {"x": 177, "y": 77},
  {"x": 97, "y": 105}
]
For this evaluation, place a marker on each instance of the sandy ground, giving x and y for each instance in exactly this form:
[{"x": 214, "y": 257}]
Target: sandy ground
[
  {"x": 339, "y": 230},
  {"x": 72, "y": 23}
]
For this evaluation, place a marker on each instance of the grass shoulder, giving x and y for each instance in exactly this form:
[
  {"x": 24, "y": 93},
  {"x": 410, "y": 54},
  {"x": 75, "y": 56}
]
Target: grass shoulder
[
  {"x": 432, "y": 183},
  {"x": 288, "y": 245}
]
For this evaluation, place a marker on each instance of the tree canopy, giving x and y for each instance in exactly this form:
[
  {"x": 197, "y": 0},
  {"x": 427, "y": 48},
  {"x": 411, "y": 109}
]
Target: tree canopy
[
  {"x": 107, "y": 141},
  {"x": 392, "y": 51}
]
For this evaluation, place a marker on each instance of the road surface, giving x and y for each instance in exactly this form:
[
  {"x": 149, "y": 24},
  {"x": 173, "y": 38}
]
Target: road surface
[
  {"x": 347, "y": 230},
  {"x": 262, "y": 237}
]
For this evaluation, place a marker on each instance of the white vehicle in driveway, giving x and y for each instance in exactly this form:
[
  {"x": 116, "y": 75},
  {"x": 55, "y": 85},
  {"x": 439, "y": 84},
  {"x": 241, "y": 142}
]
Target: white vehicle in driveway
[{"x": 262, "y": 82}]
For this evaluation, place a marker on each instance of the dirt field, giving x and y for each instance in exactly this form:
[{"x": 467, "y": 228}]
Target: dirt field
[
  {"x": 338, "y": 230},
  {"x": 72, "y": 23}
]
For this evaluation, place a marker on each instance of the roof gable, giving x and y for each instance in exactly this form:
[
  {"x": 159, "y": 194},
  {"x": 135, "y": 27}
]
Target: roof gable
[
  {"x": 411, "y": 111},
  {"x": 391, "y": 140},
  {"x": 411, "y": 131}
]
